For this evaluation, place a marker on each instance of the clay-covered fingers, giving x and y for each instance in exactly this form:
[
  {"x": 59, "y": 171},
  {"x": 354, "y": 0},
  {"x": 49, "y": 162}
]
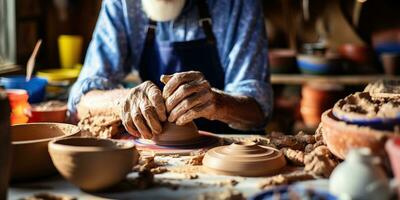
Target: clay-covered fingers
[
  {"x": 141, "y": 125},
  {"x": 165, "y": 78},
  {"x": 154, "y": 94},
  {"x": 178, "y": 79},
  {"x": 196, "y": 99},
  {"x": 196, "y": 112},
  {"x": 127, "y": 121},
  {"x": 151, "y": 117},
  {"x": 184, "y": 91}
]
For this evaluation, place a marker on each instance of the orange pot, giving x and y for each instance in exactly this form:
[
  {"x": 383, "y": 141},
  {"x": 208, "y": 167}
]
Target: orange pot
[{"x": 19, "y": 105}]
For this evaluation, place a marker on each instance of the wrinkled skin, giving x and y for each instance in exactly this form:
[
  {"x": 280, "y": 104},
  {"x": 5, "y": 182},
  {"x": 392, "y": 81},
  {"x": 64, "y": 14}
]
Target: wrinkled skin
[
  {"x": 188, "y": 96},
  {"x": 143, "y": 110}
]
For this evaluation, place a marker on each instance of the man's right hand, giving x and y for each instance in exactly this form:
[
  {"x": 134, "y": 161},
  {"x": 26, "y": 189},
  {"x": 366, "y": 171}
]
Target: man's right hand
[{"x": 144, "y": 110}]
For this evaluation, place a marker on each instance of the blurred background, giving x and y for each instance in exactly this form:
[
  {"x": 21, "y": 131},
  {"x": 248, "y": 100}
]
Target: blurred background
[{"x": 319, "y": 51}]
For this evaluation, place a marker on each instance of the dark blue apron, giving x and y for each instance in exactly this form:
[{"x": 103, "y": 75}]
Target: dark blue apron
[{"x": 165, "y": 57}]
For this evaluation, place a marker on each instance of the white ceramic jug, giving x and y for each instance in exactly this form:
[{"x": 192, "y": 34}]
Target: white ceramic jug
[{"x": 360, "y": 177}]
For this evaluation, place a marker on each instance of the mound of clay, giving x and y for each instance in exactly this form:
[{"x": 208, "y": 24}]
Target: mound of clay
[
  {"x": 174, "y": 135},
  {"x": 362, "y": 105},
  {"x": 244, "y": 159}
]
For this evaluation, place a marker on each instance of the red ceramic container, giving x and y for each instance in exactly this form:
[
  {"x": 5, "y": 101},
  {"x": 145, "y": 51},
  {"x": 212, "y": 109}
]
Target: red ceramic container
[
  {"x": 19, "y": 105},
  {"x": 54, "y": 115}
]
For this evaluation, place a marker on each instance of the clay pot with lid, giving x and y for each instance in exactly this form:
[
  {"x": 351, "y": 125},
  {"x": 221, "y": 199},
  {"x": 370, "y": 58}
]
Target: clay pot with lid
[
  {"x": 244, "y": 159},
  {"x": 31, "y": 158},
  {"x": 340, "y": 136},
  {"x": 93, "y": 164}
]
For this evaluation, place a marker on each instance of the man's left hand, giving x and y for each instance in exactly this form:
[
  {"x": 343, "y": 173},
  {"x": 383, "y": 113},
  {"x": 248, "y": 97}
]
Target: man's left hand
[{"x": 188, "y": 96}]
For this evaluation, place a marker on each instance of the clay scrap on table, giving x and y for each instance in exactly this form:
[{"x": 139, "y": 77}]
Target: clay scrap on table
[
  {"x": 101, "y": 126},
  {"x": 384, "y": 86},
  {"x": 363, "y": 105},
  {"x": 284, "y": 179}
]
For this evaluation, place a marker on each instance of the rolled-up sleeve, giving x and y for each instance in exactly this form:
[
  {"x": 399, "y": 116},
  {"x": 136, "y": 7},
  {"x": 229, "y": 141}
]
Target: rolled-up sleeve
[
  {"x": 106, "y": 55},
  {"x": 245, "y": 55}
]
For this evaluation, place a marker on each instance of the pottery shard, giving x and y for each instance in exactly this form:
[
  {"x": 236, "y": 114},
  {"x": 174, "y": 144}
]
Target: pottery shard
[
  {"x": 195, "y": 160},
  {"x": 295, "y": 157},
  {"x": 284, "y": 179},
  {"x": 320, "y": 162}
]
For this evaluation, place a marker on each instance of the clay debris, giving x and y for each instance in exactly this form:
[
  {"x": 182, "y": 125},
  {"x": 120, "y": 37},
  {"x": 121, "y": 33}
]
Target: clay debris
[
  {"x": 229, "y": 194},
  {"x": 101, "y": 126},
  {"x": 195, "y": 160},
  {"x": 363, "y": 105},
  {"x": 384, "y": 86},
  {"x": 285, "y": 179},
  {"x": 320, "y": 162},
  {"x": 295, "y": 157}
]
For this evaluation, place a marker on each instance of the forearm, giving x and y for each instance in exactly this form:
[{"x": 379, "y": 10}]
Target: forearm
[
  {"x": 101, "y": 102},
  {"x": 240, "y": 112}
]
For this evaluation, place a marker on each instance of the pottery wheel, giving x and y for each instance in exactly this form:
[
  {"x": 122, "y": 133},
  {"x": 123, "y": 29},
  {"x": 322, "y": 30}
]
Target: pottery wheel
[
  {"x": 174, "y": 135},
  {"x": 244, "y": 159}
]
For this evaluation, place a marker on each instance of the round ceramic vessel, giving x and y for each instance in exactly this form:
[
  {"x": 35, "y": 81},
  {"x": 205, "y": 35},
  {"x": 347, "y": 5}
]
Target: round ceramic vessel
[
  {"x": 93, "y": 164},
  {"x": 31, "y": 158},
  {"x": 174, "y": 135},
  {"x": 244, "y": 159},
  {"x": 341, "y": 136}
]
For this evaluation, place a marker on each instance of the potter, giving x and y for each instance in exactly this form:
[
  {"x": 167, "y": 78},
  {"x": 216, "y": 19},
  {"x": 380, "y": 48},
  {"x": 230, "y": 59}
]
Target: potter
[{"x": 206, "y": 78}]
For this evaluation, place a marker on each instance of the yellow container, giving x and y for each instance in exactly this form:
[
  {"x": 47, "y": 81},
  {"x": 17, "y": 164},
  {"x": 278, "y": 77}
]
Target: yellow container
[{"x": 70, "y": 50}]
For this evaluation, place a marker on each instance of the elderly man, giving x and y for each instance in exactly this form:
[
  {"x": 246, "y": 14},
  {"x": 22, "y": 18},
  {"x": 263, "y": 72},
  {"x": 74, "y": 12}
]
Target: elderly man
[{"x": 212, "y": 53}]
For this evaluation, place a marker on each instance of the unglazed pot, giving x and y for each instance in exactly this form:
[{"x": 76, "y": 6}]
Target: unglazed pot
[
  {"x": 340, "y": 136},
  {"x": 359, "y": 177},
  {"x": 174, "y": 135},
  {"x": 31, "y": 158},
  {"x": 93, "y": 164},
  {"x": 244, "y": 159}
]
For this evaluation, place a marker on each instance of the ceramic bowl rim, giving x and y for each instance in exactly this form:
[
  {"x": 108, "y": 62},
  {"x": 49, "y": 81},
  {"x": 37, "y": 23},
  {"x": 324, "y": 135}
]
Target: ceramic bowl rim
[
  {"x": 46, "y": 139},
  {"x": 71, "y": 148}
]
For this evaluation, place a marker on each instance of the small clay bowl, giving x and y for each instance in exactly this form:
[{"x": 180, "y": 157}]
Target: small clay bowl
[
  {"x": 282, "y": 61},
  {"x": 51, "y": 114},
  {"x": 174, "y": 135},
  {"x": 93, "y": 164},
  {"x": 31, "y": 158},
  {"x": 340, "y": 136},
  {"x": 244, "y": 159},
  {"x": 319, "y": 65}
]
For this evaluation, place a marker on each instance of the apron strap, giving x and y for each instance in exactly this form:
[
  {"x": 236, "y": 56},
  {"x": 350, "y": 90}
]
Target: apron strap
[{"x": 205, "y": 22}]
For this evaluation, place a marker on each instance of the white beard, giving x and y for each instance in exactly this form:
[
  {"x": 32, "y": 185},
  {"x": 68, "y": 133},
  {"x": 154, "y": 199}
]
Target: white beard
[{"x": 163, "y": 10}]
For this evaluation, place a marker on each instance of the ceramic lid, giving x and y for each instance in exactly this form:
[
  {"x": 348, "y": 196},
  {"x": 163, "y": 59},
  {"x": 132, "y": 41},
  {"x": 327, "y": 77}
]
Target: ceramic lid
[
  {"x": 174, "y": 135},
  {"x": 244, "y": 159}
]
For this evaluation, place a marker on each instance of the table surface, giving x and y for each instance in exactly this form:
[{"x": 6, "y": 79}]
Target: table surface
[{"x": 187, "y": 188}]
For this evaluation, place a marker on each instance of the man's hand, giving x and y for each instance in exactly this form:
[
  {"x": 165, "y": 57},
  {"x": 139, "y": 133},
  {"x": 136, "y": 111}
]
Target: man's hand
[
  {"x": 188, "y": 96},
  {"x": 144, "y": 110}
]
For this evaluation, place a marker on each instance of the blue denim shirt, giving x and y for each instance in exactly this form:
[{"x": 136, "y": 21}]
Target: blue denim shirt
[{"x": 119, "y": 37}]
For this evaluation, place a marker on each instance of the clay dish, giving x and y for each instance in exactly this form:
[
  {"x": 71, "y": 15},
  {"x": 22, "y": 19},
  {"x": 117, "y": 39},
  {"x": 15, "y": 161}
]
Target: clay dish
[
  {"x": 244, "y": 159},
  {"x": 93, "y": 164},
  {"x": 340, "y": 136},
  {"x": 52, "y": 111},
  {"x": 174, "y": 135},
  {"x": 30, "y": 157}
]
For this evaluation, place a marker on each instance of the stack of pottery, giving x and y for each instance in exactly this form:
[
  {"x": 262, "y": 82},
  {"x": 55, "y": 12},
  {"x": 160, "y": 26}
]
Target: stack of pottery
[
  {"x": 360, "y": 120},
  {"x": 316, "y": 99},
  {"x": 282, "y": 61}
]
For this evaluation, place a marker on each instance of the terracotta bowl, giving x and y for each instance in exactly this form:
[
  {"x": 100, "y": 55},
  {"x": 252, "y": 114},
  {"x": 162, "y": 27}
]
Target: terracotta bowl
[
  {"x": 174, "y": 135},
  {"x": 31, "y": 158},
  {"x": 53, "y": 115},
  {"x": 93, "y": 164},
  {"x": 340, "y": 137},
  {"x": 244, "y": 159}
]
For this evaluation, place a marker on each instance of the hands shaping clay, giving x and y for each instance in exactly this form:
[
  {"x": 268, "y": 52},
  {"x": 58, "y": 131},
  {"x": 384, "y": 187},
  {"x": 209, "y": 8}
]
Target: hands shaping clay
[{"x": 237, "y": 158}]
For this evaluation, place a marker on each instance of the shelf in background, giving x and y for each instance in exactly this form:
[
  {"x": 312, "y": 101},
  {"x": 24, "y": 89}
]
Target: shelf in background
[
  {"x": 298, "y": 79},
  {"x": 9, "y": 69}
]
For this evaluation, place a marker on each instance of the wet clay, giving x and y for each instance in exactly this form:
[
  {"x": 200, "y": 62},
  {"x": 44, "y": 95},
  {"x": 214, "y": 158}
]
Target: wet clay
[
  {"x": 384, "y": 87},
  {"x": 174, "y": 135},
  {"x": 362, "y": 105},
  {"x": 236, "y": 159}
]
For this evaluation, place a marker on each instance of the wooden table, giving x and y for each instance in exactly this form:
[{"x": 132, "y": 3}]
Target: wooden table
[{"x": 298, "y": 79}]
